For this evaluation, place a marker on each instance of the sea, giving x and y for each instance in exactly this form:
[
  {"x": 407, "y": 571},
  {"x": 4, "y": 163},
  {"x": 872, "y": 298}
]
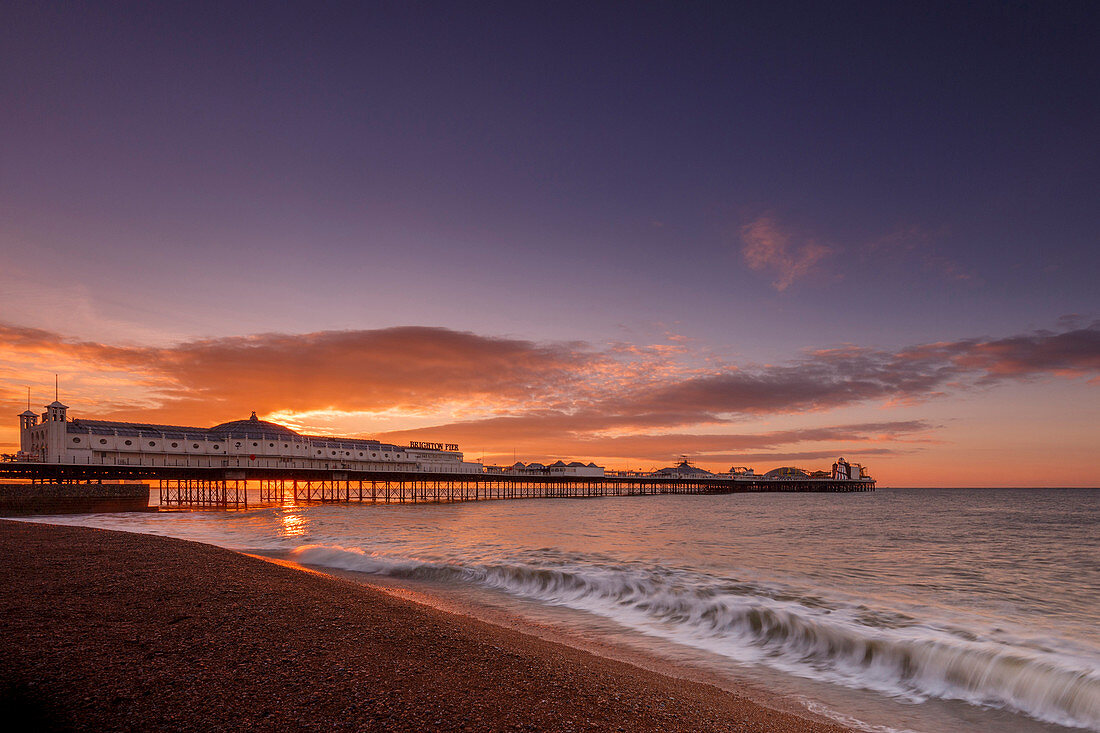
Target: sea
[{"x": 899, "y": 610}]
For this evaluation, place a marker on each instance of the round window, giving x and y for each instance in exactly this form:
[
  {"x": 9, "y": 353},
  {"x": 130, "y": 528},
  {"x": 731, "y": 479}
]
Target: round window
[
  {"x": 103, "y": 441},
  {"x": 255, "y": 445},
  {"x": 237, "y": 444},
  {"x": 386, "y": 455},
  {"x": 215, "y": 447},
  {"x": 129, "y": 442},
  {"x": 196, "y": 445},
  {"x": 318, "y": 452},
  {"x": 334, "y": 453},
  {"x": 373, "y": 455},
  {"x": 347, "y": 453},
  {"x": 285, "y": 445},
  {"x": 272, "y": 445},
  {"x": 152, "y": 444},
  {"x": 360, "y": 453},
  {"x": 175, "y": 445},
  {"x": 76, "y": 440}
]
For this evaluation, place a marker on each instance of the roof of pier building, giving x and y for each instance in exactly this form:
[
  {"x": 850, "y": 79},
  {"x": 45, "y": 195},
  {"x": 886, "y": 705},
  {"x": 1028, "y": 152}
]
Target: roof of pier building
[
  {"x": 786, "y": 472},
  {"x": 255, "y": 426},
  {"x": 253, "y": 429},
  {"x": 683, "y": 469},
  {"x": 111, "y": 427}
]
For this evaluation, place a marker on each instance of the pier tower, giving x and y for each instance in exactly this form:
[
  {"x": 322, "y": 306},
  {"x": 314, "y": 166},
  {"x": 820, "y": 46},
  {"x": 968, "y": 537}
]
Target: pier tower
[
  {"x": 27, "y": 420},
  {"x": 44, "y": 441}
]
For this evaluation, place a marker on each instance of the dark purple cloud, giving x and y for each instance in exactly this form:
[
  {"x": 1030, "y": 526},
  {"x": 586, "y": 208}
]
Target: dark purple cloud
[
  {"x": 1075, "y": 352},
  {"x": 844, "y": 376}
]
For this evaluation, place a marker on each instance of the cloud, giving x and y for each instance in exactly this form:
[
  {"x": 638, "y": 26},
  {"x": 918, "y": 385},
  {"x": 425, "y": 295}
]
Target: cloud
[
  {"x": 565, "y": 398},
  {"x": 536, "y": 435},
  {"x": 11, "y": 400},
  {"x": 830, "y": 378},
  {"x": 767, "y": 246},
  {"x": 777, "y": 459},
  {"x": 1070, "y": 353},
  {"x": 406, "y": 368}
]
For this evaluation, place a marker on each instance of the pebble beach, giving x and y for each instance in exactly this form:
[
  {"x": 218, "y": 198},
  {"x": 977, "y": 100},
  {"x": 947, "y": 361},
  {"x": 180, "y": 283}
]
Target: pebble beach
[{"x": 107, "y": 630}]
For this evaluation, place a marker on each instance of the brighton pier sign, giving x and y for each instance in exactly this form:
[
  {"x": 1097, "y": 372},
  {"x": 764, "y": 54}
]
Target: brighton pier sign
[{"x": 433, "y": 446}]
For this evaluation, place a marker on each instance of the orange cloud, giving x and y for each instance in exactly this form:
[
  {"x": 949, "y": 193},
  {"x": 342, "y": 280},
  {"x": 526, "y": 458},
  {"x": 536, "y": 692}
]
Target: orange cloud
[
  {"x": 410, "y": 368},
  {"x": 767, "y": 246},
  {"x": 569, "y": 398}
]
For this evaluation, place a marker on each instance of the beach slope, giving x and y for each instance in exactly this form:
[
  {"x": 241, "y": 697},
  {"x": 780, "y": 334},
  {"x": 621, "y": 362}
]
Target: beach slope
[{"x": 115, "y": 631}]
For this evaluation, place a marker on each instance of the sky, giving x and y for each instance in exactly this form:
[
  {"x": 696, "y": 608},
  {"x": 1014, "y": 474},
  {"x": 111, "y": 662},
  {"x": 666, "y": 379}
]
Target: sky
[{"x": 751, "y": 234}]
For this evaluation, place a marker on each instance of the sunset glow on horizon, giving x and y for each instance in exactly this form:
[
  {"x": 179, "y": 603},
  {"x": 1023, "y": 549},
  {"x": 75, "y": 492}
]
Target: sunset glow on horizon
[{"x": 927, "y": 415}]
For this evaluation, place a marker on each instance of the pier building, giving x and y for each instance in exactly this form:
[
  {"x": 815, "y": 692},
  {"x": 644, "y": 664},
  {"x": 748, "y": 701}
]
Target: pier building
[
  {"x": 558, "y": 468},
  {"x": 250, "y": 443},
  {"x": 844, "y": 471}
]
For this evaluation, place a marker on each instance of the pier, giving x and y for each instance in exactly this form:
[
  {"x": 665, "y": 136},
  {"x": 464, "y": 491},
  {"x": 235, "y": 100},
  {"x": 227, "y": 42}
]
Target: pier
[
  {"x": 248, "y": 463},
  {"x": 220, "y": 489}
]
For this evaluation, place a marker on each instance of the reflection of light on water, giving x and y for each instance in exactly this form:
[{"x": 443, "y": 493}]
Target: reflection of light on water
[{"x": 293, "y": 525}]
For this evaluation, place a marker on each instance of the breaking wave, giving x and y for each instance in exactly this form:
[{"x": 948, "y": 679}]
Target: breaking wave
[{"x": 801, "y": 634}]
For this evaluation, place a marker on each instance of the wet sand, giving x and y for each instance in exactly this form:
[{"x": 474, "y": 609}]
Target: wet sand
[{"x": 116, "y": 631}]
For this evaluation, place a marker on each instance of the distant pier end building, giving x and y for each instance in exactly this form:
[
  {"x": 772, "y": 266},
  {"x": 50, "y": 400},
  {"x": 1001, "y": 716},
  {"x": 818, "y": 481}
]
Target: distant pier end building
[{"x": 251, "y": 443}]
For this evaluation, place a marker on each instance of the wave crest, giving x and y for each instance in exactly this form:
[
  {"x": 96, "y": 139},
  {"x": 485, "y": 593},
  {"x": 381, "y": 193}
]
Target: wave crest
[{"x": 853, "y": 646}]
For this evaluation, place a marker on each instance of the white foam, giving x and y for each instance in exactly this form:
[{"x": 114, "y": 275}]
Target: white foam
[{"x": 906, "y": 658}]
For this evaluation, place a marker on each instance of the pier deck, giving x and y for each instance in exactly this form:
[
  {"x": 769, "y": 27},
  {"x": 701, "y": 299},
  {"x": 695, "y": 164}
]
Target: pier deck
[{"x": 220, "y": 488}]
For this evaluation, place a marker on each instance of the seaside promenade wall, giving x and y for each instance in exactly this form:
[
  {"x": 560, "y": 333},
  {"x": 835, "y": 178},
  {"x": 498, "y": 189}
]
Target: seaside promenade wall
[{"x": 20, "y": 499}]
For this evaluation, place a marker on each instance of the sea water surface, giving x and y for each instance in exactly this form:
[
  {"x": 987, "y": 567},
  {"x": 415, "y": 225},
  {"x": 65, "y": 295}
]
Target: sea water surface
[{"x": 898, "y": 610}]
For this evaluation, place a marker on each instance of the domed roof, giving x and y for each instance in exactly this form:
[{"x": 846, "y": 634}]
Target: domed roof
[
  {"x": 787, "y": 472},
  {"x": 683, "y": 468},
  {"x": 253, "y": 426}
]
